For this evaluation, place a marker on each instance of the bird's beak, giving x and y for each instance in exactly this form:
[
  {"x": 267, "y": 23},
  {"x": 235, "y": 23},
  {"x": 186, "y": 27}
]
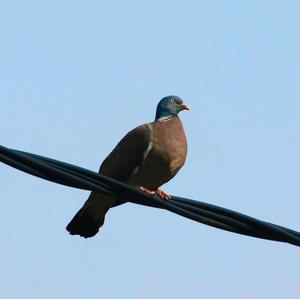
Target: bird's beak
[{"x": 184, "y": 107}]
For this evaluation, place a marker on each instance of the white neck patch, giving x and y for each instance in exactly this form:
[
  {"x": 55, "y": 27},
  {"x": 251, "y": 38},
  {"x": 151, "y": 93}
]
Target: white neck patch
[{"x": 164, "y": 118}]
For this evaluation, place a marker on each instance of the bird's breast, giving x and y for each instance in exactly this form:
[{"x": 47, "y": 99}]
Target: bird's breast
[{"x": 167, "y": 155}]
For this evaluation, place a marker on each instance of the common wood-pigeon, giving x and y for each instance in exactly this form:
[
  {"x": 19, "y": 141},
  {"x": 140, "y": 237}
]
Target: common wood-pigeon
[{"x": 147, "y": 157}]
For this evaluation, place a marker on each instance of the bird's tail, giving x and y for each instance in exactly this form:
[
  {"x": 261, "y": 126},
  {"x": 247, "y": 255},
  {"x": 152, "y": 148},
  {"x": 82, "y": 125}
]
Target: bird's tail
[{"x": 90, "y": 217}]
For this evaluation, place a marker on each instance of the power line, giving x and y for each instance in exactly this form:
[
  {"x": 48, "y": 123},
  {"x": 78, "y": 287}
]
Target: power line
[{"x": 78, "y": 177}]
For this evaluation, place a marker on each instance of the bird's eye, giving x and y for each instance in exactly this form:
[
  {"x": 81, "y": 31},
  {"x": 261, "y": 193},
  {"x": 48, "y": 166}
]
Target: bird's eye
[{"x": 172, "y": 101}]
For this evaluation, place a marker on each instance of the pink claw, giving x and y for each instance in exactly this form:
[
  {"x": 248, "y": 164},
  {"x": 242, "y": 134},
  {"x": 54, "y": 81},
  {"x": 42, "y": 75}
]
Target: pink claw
[{"x": 158, "y": 192}]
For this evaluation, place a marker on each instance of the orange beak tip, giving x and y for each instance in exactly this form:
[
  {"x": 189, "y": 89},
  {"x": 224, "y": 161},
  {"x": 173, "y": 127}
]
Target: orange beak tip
[{"x": 185, "y": 107}]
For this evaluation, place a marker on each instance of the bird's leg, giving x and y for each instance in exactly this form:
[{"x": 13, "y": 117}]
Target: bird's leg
[
  {"x": 158, "y": 192},
  {"x": 147, "y": 190}
]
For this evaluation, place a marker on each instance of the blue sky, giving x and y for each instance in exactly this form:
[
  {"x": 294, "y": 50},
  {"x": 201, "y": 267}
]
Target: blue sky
[{"x": 76, "y": 76}]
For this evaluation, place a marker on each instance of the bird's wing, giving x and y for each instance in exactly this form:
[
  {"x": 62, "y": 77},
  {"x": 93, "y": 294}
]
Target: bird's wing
[
  {"x": 120, "y": 164},
  {"x": 128, "y": 155}
]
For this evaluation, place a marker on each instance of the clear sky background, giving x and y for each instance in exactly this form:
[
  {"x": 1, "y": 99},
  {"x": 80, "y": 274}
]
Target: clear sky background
[{"x": 76, "y": 76}]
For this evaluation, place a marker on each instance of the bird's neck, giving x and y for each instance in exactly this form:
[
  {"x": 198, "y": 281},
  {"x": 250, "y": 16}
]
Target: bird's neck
[
  {"x": 165, "y": 118},
  {"x": 163, "y": 114},
  {"x": 170, "y": 122}
]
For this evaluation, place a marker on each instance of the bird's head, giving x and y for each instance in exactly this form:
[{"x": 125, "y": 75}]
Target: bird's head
[{"x": 169, "y": 106}]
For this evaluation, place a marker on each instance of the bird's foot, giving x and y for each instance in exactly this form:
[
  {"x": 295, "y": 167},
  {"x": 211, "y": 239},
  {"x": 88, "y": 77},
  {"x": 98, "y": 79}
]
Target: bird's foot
[
  {"x": 147, "y": 190},
  {"x": 158, "y": 192},
  {"x": 163, "y": 194}
]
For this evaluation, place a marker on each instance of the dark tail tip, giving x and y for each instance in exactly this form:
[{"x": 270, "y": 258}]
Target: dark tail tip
[{"x": 84, "y": 225}]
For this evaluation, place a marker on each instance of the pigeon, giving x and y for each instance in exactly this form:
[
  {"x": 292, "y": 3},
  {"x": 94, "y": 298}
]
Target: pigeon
[{"x": 147, "y": 157}]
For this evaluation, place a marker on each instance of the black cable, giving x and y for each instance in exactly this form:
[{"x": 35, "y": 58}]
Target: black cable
[{"x": 77, "y": 177}]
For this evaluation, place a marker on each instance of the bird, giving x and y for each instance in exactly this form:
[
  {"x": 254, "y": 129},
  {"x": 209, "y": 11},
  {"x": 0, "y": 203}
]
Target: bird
[{"x": 147, "y": 157}]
